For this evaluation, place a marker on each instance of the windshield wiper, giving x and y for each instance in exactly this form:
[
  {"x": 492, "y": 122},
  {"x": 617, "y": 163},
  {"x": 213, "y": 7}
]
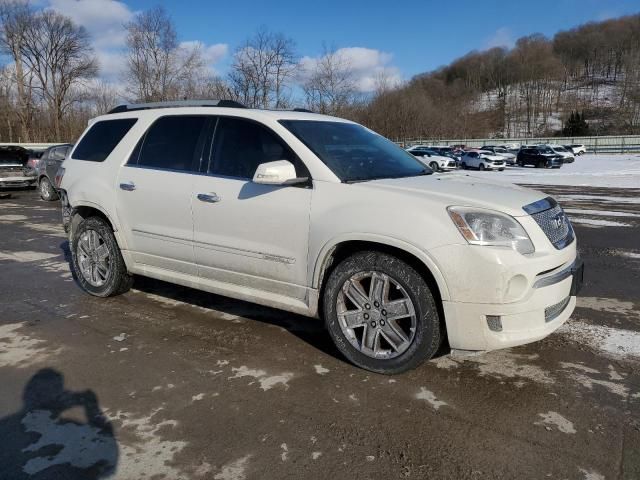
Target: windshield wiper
[{"x": 370, "y": 179}]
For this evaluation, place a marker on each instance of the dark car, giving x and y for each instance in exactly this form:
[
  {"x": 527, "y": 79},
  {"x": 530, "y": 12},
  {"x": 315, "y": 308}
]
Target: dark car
[
  {"x": 539, "y": 157},
  {"x": 14, "y": 171},
  {"x": 48, "y": 166}
]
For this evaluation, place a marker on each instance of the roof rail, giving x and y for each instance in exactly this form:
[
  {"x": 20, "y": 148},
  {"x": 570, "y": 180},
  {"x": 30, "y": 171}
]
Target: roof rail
[
  {"x": 304, "y": 110},
  {"x": 131, "y": 107}
]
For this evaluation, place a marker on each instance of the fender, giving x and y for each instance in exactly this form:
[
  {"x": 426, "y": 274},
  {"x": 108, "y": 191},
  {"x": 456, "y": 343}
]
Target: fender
[{"x": 423, "y": 256}]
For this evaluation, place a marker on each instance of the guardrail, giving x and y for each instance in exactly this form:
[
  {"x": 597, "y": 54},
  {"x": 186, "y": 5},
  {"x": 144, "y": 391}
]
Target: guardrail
[
  {"x": 603, "y": 144},
  {"x": 30, "y": 146}
]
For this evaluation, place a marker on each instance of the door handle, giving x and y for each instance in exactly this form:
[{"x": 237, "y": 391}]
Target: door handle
[
  {"x": 129, "y": 187},
  {"x": 209, "y": 197}
]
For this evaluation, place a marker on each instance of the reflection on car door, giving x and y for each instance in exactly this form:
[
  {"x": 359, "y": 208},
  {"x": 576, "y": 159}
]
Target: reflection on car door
[
  {"x": 154, "y": 193},
  {"x": 244, "y": 233}
]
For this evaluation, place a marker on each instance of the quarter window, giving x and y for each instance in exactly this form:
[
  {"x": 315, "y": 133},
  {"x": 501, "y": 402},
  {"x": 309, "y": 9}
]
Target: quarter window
[
  {"x": 241, "y": 145},
  {"x": 98, "y": 143},
  {"x": 172, "y": 143}
]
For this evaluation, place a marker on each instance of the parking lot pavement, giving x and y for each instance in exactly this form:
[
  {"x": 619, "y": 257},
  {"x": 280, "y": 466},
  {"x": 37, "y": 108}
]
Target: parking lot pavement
[{"x": 168, "y": 382}]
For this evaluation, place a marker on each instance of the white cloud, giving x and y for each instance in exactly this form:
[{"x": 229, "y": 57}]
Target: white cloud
[
  {"x": 212, "y": 54},
  {"x": 503, "y": 37},
  {"x": 103, "y": 19},
  {"x": 367, "y": 65}
]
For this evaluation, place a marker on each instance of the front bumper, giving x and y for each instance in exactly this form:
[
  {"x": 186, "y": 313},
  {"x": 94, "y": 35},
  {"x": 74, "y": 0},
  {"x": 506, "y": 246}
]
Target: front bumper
[
  {"x": 18, "y": 181},
  {"x": 521, "y": 307}
]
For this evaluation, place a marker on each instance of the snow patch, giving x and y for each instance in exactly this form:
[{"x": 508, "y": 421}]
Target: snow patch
[
  {"x": 78, "y": 445},
  {"x": 615, "y": 342},
  {"x": 285, "y": 452},
  {"x": 430, "y": 397},
  {"x": 267, "y": 382},
  {"x": 503, "y": 363},
  {"x": 11, "y": 218},
  {"x": 144, "y": 453},
  {"x": 611, "y": 305},
  {"x": 27, "y": 256},
  {"x": 557, "y": 420},
  {"x": 21, "y": 350},
  {"x": 597, "y": 222},
  {"x": 600, "y": 213},
  {"x": 235, "y": 470},
  {"x": 591, "y": 475},
  {"x": 320, "y": 370}
]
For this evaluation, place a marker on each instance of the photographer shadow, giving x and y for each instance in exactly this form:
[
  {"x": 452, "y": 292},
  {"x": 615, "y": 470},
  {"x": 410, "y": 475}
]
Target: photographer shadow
[{"x": 58, "y": 434}]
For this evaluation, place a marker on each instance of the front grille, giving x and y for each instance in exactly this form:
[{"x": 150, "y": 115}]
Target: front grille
[
  {"x": 552, "y": 312},
  {"x": 552, "y": 220}
]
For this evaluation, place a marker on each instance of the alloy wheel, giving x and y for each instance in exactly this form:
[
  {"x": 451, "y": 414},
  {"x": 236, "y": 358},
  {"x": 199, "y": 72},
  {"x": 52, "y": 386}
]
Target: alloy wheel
[
  {"x": 94, "y": 258},
  {"x": 376, "y": 315}
]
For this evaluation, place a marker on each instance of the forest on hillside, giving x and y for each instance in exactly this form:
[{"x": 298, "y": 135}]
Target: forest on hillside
[
  {"x": 530, "y": 90},
  {"x": 51, "y": 83}
]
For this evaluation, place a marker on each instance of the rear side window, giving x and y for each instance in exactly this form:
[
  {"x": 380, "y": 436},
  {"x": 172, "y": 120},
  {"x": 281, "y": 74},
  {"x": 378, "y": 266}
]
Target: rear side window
[
  {"x": 102, "y": 138},
  {"x": 172, "y": 143},
  {"x": 241, "y": 145}
]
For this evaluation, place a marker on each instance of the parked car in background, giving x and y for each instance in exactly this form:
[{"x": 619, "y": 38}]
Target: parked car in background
[
  {"x": 322, "y": 217},
  {"x": 482, "y": 160},
  {"x": 509, "y": 157},
  {"x": 576, "y": 149},
  {"x": 48, "y": 166},
  {"x": 539, "y": 157},
  {"x": 14, "y": 171},
  {"x": 34, "y": 159},
  {"x": 567, "y": 156},
  {"x": 433, "y": 159},
  {"x": 450, "y": 152}
]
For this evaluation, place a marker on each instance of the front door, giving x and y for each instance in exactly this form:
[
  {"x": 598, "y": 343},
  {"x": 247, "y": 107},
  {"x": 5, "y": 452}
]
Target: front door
[
  {"x": 244, "y": 233},
  {"x": 154, "y": 193}
]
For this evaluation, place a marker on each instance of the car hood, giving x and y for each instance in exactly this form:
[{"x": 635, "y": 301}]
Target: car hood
[{"x": 462, "y": 190}]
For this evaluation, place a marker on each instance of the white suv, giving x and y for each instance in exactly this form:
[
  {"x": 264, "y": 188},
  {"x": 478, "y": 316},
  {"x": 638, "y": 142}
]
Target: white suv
[{"x": 320, "y": 216}]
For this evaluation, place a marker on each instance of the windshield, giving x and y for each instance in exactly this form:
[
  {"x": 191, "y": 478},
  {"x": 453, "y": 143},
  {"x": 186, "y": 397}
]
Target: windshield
[
  {"x": 500, "y": 150},
  {"x": 545, "y": 150},
  {"x": 353, "y": 152}
]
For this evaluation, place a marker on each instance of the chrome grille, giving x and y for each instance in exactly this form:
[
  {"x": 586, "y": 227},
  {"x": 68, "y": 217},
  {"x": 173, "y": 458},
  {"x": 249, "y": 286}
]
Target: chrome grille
[
  {"x": 552, "y": 312},
  {"x": 552, "y": 220}
]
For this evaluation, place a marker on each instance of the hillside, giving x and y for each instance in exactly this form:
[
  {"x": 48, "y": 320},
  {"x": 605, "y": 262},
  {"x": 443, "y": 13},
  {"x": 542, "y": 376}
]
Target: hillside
[{"x": 529, "y": 90}]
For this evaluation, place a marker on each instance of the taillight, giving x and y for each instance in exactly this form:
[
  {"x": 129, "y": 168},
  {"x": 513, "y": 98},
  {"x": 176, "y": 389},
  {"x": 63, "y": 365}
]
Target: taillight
[
  {"x": 32, "y": 163},
  {"x": 59, "y": 175}
]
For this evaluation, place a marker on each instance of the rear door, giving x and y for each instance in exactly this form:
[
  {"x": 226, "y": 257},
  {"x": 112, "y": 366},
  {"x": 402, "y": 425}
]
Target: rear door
[
  {"x": 154, "y": 193},
  {"x": 245, "y": 233}
]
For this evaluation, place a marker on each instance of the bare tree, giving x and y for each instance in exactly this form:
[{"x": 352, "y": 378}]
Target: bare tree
[
  {"x": 15, "y": 18},
  {"x": 158, "y": 66},
  {"x": 262, "y": 69},
  {"x": 58, "y": 54},
  {"x": 330, "y": 85}
]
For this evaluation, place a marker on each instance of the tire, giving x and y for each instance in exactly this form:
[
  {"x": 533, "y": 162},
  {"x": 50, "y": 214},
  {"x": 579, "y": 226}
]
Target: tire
[
  {"x": 116, "y": 280},
  {"x": 463, "y": 166},
  {"x": 47, "y": 192},
  {"x": 403, "y": 281},
  {"x": 501, "y": 169},
  {"x": 434, "y": 166},
  {"x": 520, "y": 163},
  {"x": 482, "y": 167}
]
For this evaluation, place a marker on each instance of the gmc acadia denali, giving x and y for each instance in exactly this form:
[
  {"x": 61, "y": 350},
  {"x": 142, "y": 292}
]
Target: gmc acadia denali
[{"x": 320, "y": 216}]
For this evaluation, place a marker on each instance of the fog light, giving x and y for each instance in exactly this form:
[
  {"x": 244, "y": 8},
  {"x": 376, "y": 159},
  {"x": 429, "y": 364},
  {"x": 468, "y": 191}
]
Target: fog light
[{"x": 494, "y": 322}]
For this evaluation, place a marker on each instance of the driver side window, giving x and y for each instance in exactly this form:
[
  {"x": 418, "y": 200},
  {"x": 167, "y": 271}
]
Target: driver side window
[{"x": 241, "y": 145}]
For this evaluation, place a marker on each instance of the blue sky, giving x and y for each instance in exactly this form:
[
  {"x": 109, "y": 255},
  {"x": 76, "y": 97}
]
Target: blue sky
[{"x": 404, "y": 38}]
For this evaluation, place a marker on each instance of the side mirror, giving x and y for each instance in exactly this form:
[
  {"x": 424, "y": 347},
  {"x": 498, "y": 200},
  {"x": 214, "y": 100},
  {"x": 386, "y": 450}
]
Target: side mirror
[{"x": 280, "y": 172}]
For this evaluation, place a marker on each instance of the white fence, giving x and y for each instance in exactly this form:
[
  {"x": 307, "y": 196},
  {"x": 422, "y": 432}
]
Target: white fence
[{"x": 608, "y": 144}]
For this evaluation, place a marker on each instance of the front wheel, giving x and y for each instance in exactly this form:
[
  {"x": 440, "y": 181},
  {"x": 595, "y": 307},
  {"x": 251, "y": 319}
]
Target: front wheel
[
  {"x": 482, "y": 167},
  {"x": 381, "y": 313},
  {"x": 97, "y": 261},
  {"x": 501, "y": 169},
  {"x": 434, "y": 166},
  {"x": 47, "y": 192},
  {"x": 463, "y": 166}
]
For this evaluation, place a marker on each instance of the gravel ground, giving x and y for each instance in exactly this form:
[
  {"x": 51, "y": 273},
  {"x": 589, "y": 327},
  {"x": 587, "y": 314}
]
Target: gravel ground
[{"x": 168, "y": 382}]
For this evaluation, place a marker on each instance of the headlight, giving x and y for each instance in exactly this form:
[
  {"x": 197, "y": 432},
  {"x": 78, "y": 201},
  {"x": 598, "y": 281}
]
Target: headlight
[{"x": 488, "y": 227}]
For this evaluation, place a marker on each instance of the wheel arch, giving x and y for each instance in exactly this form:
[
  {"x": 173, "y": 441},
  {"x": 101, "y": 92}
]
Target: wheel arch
[{"x": 335, "y": 251}]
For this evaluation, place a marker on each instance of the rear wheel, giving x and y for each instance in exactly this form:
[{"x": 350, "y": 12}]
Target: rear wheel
[
  {"x": 381, "y": 313},
  {"x": 47, "y": 192},
  {"x": 97, "y": 261},
  {"x": 520, "y": 163}
]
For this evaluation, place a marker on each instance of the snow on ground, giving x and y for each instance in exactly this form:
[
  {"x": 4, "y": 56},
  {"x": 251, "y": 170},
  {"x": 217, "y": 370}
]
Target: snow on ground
[{"x": 611, "y": 170}]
